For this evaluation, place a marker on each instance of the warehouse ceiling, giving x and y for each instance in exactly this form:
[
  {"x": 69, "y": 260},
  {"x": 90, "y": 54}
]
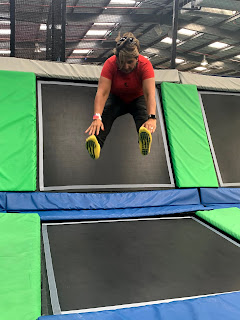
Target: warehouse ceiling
[{"x": 208, "y": 40}]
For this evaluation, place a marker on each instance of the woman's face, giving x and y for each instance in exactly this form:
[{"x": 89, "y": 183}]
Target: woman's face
[{"x": 129, "y": 65}]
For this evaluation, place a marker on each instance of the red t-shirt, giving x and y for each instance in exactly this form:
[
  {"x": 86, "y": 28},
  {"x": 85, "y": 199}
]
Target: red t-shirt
[{"x": 127, "y": 86}]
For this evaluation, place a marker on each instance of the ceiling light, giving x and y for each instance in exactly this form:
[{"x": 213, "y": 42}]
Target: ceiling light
[
  {"x": 96, "y": 32},
  {"x": 218, "y": 45},
  {"x": 104, "y": 23},
  {"x": 122, "y": 2},
  {"x": 169, "y": 40},
  {"x": 151, "y": 51},
  {"x": 204, "y": 61},
  {"x": 37, "y": 48},
  {"x": 178, "y": 60},
  {"x": 187, "y": 32},
  {"x": 2, "y": 51},
  {"x": 84, "y": 51},
  {"x": 5, "y": 31},
  {"x": 217, "y": 11},
  {"x": 43, "y": 26},
  {"x": 200, "y": 68},
  {"x": 238, "y": 56},
  {"x": 4, "y": 22}
]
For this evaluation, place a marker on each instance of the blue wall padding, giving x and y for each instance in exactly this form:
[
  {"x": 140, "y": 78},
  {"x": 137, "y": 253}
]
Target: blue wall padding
[
  {"x": 115, "y": 213},
  {"x": 212, "y": 196},
  {"x": 219, "y": 307},
  {"x": 38, "y": 201},
  {"x": 3, "y": 201}
]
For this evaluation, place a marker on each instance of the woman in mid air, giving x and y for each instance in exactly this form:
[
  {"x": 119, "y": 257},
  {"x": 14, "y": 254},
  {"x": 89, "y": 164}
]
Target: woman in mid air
[{"x": 126, "y": 85}]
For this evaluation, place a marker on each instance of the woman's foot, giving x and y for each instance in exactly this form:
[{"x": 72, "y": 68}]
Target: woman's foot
[
  {"x": 145, "y": 141},
  {"x": 93, "y": 147}
]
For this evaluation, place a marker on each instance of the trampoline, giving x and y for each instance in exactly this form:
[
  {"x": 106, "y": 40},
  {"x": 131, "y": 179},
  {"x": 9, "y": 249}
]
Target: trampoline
[
  {"x": 114, "y": 264},
  {"x": 222, "y": 121},
  {"x": 64, "y": 115}
]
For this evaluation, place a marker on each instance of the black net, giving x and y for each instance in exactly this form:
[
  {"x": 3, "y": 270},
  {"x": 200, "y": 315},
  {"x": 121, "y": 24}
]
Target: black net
[{"x": 84, "y": 31}]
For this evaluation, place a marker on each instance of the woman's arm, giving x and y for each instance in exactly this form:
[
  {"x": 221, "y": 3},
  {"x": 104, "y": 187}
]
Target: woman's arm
[
  {"x": 104, "y": 87},
  {"x": 149, "y": 95}
]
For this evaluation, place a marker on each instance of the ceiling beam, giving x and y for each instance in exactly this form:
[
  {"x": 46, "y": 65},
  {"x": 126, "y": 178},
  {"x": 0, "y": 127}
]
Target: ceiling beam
[{"x": 209, "y": 30}]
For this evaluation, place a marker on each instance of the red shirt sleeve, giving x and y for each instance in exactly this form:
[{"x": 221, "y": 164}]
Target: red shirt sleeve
[
  {"x": 147, "y": 70},
  {"x": 107, "y": 70}
]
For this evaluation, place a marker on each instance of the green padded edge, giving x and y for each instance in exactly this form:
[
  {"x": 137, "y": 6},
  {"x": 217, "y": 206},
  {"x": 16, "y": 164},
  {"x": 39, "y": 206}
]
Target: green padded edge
[
  {"x": 190, "y": 151},
  {"x": 18, "y": 160},
  {"x": 227, "y": 220},
  {"x": 20, "y": 266}
]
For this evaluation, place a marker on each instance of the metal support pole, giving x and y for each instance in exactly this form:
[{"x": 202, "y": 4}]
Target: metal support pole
[
  {"x": 12, "y": 27},
  {"x": 174, "y": 33},
  {"x": 63, "y": 46}
]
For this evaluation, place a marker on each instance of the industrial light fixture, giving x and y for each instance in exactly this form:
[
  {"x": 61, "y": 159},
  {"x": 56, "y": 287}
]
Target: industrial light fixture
[
  {"x": 37, "y": 48},
  {"x": 218, "y": 11},
  {"x": 187, "y": 32},
  {"x": 178, "y": 60},
  {"x": 200, "y": 68},
  {"x": 204, "y": 61},
  {"x": 43, "y": 26},
  {"x": 3, "y": 22},
  {"x": 96, "y": 32},
  {"x": 218, "y": 45},
  {"x": 169, "y": 40},
  {"x": 130, "y": 2},
  {"x": 5, "y": 51},
  {"x": 5, "y": 31},
  {"x": 83, "y": 51},
  {"x": 104, "y": 23}
]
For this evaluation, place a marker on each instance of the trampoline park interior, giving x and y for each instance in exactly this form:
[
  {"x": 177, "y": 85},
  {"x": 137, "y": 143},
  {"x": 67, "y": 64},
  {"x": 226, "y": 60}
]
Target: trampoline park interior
[{"x": 126, "y": 236}]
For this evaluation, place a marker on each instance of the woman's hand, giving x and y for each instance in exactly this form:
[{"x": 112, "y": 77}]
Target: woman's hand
[
  {"x": 151, "y": 125},
  {"x": 95, "y": 127}
]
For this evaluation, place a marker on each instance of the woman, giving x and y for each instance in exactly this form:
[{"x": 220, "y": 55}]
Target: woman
[{"x": 126, "y": 85}]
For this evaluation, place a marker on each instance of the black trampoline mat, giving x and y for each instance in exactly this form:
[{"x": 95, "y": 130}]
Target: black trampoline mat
[
  {"x": 67, "y": 112},
  {"x": 223, "y": 117},
  {"x": 125, "y": 262}
]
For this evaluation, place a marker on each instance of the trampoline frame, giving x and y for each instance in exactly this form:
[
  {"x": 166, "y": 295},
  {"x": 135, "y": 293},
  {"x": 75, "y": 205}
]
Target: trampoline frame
[
  {"x": 42, "y": 187},
  {"x": 56, "y": 308}
]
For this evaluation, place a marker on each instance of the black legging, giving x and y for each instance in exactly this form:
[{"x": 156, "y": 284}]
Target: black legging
[{"x": 115, "y": 108}]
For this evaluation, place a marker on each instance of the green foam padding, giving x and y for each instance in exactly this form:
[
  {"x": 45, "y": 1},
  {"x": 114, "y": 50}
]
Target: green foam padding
[
  {"x": 18, "y": 160},
  {"x": 190, "y": 151},
  {"x": 227, "y": 220},
  {"x": 20, "y": 266}
]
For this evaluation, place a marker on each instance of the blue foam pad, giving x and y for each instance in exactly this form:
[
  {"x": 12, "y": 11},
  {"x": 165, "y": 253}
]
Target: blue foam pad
[
  {"x": 115, "y": 213},
  {"x": 220, "y": 195},
  {"x": 38, "y": 201}
]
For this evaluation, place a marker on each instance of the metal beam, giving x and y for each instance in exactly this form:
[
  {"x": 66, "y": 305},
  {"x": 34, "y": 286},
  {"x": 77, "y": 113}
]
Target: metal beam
[
  {"x": 12, "y": 27},
  {"x": 174, "y": 33},
  {"x": 209, "y": 30}
]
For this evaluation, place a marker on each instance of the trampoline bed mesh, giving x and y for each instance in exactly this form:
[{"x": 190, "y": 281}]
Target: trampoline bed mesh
[{"x": 124, "y": 262}]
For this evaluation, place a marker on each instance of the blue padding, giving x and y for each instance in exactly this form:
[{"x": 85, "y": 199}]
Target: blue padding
[
  {"x": 3, "y": 200},
  {"x": 221, "y": 206},
  {"x": 36, "y": 201},
  {"x": 115, "y": 213},
  {"x": 220, "y": 195},
  {"x": 219, "y": 307}
]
